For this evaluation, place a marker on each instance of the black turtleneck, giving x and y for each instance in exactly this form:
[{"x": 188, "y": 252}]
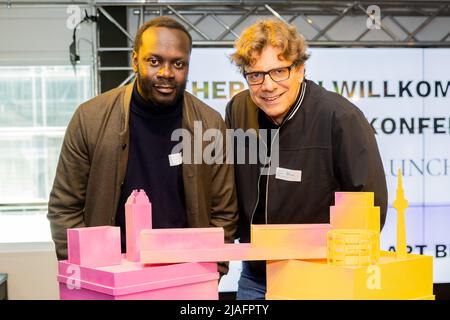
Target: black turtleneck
[{"x": 148, "y": 166}]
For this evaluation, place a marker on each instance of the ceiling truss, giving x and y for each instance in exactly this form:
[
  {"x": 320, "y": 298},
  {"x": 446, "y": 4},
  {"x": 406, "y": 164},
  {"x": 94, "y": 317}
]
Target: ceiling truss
[{"x": 323, "y": 21}]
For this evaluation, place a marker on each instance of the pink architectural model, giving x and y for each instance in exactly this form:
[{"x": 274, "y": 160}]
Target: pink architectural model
[
  {"x": 94, "y": 247},
  {"x": 97, "y": 270},
  {"x": 138, "y": 216},
  {"x": 182, "y": 263}
]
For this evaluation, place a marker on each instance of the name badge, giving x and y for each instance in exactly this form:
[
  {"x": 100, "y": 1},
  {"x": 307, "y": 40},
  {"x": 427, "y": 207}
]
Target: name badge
[
  {"x": 288, "y": 174},
  {"x": 175, "y": 159}
]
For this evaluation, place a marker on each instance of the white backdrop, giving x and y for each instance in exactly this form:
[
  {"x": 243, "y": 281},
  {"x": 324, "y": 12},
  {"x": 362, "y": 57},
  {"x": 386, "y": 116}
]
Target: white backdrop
[{"x": 405, "y": 95}]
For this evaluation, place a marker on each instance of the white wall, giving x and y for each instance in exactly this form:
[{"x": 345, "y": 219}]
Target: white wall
[
  {"x": 34, "y": 36},
  {"x": 31, "y": 269},
  {"x": 39, "y": 36}
]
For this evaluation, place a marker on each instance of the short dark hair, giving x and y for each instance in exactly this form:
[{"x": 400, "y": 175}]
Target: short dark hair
[{"x": 162, "y": 22}]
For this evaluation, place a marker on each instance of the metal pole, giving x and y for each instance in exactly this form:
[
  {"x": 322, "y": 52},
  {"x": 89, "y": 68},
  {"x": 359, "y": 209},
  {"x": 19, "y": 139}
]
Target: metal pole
[
  {"x": 124, "y": 82},
  {"x": 223, "y": 24},
  {"x": 445, "y": 37},
  {"x": 312, "y": 24},
  {"x": 47, "y": 4},
  {"x": 188, "y": 22},
  {"x": 236, "y": 23},
  {"x": 332, "y": 23},
  {"x": 95, "y": 62},
  {"x": 141, "y": 16},
  {"x": 115, "y": 49},
  {"x": 408, "y": 33},
  {"x": 276, "y": 14},
  {"x": 115, "y": 68},
  {"x": 321, "y": 43},
  {"x": 114, "y": 22},
  {"x": 426, "y": 22},
  {"x": 203, "y": 16}
]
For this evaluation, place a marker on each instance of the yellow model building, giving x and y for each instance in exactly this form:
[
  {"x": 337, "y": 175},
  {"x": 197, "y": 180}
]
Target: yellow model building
[{"x": 355, "y": 267}]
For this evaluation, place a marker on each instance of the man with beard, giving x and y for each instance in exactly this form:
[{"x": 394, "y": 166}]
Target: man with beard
[{"x": 121, "y": 140}]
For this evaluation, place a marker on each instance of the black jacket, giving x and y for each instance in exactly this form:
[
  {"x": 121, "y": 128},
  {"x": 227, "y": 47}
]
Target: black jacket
[{"x": 329, "y": 140}]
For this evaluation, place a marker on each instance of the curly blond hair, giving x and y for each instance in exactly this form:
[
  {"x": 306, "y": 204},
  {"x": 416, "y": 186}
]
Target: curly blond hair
[{"x": 269, "y": 32}]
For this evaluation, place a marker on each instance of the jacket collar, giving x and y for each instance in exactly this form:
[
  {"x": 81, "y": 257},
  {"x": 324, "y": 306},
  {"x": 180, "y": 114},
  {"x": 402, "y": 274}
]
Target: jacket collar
[
  {"x": 126, "y": 105},
  {"x": 253, "y": 109}
]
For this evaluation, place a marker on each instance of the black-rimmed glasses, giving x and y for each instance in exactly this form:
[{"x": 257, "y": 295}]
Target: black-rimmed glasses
[{"x": 277, "y": 74}]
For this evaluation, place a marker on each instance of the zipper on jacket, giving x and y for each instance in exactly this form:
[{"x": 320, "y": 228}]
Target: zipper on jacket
[
  {"x": 259, "y": 179},
  {"x": 302, "y": 95},
  {"x": 268, "y": 175}
]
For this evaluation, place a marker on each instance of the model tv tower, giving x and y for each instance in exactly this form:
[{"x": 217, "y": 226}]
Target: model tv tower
[{"x": 400, "y": 204}]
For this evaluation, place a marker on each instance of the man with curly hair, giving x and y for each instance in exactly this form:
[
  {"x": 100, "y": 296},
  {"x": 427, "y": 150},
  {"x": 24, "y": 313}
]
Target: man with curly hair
[{"x": 322, "y": 142}]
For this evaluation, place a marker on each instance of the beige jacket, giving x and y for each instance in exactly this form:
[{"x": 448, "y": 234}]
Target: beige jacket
[{"x": 93, "y": 162}]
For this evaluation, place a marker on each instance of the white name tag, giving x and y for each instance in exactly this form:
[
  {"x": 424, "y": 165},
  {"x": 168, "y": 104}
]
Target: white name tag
[
  {"x": 288, "y": 174},
  {"x": 175, "y": 159}
]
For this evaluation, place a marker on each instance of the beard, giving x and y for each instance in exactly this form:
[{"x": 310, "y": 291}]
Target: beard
[{"x": 149, "y": 87}]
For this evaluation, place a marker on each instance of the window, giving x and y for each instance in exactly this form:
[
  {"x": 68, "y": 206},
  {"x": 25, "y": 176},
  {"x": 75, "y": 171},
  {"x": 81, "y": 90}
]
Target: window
[{"x": 36, "y": 104}]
